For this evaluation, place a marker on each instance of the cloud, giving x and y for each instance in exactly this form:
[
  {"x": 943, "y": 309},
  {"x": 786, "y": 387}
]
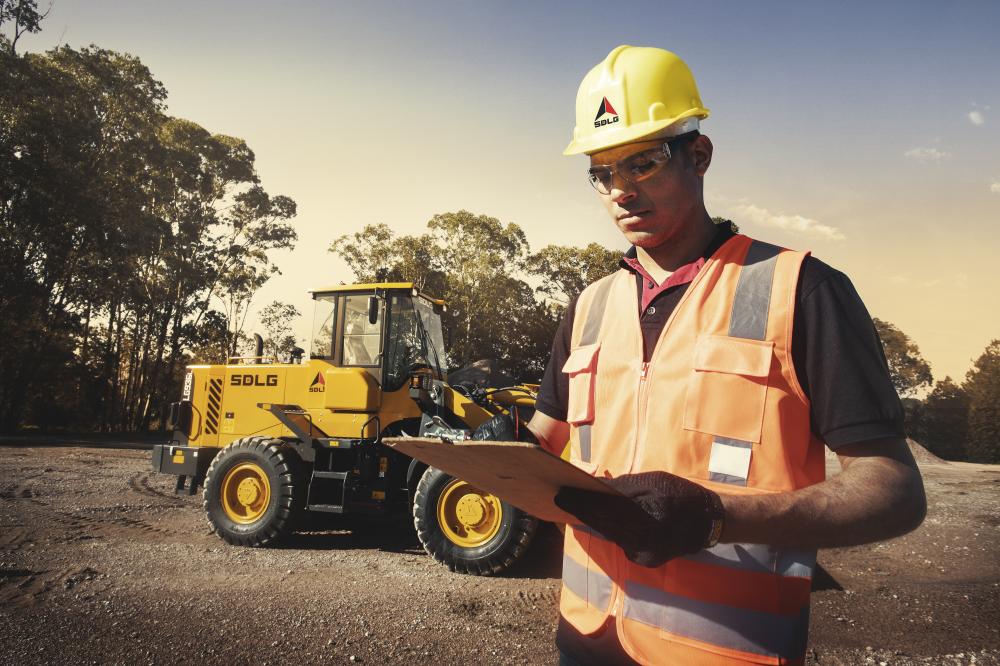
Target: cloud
[
  {"x": 925, "y": 154},
  {"x": 976, "y": 117},
  {"x": 995, "y": 187},
  {"x": 959, "y": 281},
  {"x": 797, "y": 223}
]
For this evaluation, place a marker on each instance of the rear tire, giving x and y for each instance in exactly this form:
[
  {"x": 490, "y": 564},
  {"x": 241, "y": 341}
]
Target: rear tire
[
  {"x": 467, "y": 530},
  {"x": 253, "y": 492}
]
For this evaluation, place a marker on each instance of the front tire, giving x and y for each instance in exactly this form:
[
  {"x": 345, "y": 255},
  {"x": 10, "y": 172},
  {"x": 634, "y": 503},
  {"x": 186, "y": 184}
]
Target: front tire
[
  {"x": 253, "y": 492},
  {"x": 466, "y": 529}
]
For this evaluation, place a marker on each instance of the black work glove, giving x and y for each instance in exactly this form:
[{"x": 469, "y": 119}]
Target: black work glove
[
  {"x": 660, "y": 517},
  {"x": 505, "y": 428}
]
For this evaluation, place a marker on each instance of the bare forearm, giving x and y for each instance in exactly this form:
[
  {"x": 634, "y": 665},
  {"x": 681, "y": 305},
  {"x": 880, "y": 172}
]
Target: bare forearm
[{"x": 875, "y": 497}]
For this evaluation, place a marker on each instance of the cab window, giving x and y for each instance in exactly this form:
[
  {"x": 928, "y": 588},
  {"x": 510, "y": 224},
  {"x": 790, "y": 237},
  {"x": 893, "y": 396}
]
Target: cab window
[
  {"x": 324, "y": 318},
  {"x": 361, "y": 338}
]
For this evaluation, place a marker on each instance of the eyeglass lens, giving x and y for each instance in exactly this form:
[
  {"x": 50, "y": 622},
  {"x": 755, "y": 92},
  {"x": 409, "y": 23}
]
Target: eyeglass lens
[{"x": 633, "y": 168}]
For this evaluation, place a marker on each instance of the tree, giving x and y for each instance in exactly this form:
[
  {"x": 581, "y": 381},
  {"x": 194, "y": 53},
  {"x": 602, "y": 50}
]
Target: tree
[
  {"x": 74, "y": 127},
  {"x": 982, "y": 384},
  {"x": 907, "y": 368},
  {"x": 566, "y": 271},
  {"x": 484, "y": 260},
  {"x": 732, "y": 225},
  {"x": 24, "y": 16},
  {"x": 276, "y": 318},
  {"x": 127, "y": 239},
  {"x": 944, "y": 418},
  {"x": 478, "y": 266}
]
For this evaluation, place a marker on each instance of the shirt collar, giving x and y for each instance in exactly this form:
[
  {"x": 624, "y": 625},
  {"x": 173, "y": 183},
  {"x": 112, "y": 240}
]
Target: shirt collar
[{"x": 685, "y": 273}]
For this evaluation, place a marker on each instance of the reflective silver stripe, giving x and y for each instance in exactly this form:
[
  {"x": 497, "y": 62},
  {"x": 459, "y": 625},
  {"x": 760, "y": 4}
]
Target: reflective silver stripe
[
  {"x": 595, "y": 313},
  {"x": 751, "y": 631},
  {"x": 752, "y": 301},
  {"x": 583, "y": 436},
  {"x": 586, "y": 529},
  {"x": 726, "y": 478},
  {"x": 729, "y": 461},
  {"x": 591, "y": 586},
  {"x": 591, "y": 329},
  {"x": 758, "y": 558}
]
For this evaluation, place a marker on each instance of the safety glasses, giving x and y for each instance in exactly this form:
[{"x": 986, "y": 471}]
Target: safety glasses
[{"x": 635, "y": 168}]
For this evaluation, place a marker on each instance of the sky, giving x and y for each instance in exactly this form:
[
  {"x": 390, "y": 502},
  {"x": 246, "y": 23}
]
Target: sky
[{"x": 867, "y": 133}]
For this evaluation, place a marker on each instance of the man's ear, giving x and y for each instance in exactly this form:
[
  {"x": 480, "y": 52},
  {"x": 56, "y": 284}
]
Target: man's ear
[{"x": 700, "y": 154}]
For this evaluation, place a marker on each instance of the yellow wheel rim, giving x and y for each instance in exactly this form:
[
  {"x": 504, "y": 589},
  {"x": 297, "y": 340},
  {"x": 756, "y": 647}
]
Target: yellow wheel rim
[
  {"x": 246, "y": 493},
  {"x": 468, "y": 516}
]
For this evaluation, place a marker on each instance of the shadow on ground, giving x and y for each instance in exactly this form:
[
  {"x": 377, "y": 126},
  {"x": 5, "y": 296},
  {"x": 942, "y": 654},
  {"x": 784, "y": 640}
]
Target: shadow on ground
[{"x": 396, "y": 535}]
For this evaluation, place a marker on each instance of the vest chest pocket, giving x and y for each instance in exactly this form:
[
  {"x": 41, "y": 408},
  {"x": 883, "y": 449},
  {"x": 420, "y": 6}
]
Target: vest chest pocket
[
  {"x": 728, "y": 386},
  {"x": 581, "y": 366}
]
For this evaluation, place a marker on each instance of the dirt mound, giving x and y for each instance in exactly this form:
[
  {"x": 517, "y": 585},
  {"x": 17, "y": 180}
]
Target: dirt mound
[{"x": 922, "y": 455}]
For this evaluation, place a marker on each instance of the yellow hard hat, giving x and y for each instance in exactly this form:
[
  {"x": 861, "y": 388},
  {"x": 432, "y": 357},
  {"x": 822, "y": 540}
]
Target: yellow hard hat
[{"x": 637, "y": 92}]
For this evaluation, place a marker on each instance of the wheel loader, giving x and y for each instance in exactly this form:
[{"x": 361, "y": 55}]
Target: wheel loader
[{"x": 270, "y": 442}]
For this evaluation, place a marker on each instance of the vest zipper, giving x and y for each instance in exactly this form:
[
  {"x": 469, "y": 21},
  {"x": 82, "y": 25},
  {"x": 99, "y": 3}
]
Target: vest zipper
[
  {"x": 644, "y": 371},
  {"x": 637, "y": 450}
]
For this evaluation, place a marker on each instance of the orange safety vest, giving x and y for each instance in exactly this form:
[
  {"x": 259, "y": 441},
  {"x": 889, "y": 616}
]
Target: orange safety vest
[{"x": 719, "y": 404}]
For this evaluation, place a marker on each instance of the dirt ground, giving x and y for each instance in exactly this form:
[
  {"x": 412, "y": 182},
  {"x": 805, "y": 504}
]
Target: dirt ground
[{"x": 101, "y": 563}]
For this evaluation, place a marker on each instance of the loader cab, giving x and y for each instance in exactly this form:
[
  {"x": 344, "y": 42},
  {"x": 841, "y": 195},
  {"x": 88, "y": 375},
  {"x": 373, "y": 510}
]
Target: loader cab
[{"x": 388, "y": 329}]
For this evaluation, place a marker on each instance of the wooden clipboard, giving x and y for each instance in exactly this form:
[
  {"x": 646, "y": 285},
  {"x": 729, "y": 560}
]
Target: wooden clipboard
[{"x": 524, "y": 475}]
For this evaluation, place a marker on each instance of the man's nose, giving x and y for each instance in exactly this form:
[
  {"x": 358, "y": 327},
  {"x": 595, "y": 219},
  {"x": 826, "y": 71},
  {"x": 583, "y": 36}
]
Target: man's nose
[{"x": 621, "y": 189}]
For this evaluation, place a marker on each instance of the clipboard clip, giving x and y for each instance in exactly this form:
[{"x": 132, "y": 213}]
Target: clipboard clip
[{"x": 435, "y": 426}]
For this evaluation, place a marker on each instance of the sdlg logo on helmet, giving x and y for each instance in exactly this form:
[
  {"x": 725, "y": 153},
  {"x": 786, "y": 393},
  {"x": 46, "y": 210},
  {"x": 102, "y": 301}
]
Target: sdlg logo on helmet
[{"x": 605, "y": 110}]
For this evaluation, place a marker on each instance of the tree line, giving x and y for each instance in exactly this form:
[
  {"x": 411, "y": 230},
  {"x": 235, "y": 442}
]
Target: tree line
[
  {"x": 131, "y": 242},
  {"x": 504, "y": 302},
  {"x": 956, "y": 421}
]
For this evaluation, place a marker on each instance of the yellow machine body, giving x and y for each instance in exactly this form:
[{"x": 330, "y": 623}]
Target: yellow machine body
[
  {"x": 344, "y": 403},
  {"x": 339, "y": 401}
]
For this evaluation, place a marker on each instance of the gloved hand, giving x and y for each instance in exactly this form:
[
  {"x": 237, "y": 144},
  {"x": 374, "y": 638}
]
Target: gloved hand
[
  {"x": 660, "y": 517},
  {"x": 505, "y": 428}
]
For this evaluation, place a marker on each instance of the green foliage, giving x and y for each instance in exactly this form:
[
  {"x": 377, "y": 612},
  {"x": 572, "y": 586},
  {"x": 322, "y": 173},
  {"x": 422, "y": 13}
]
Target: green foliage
[
  {"x": 982, "y": 384},
  {"x": 722, "y": 220},
  {"x": 565, "y": 271},
  {"x": 21, "y": 16},
  {"x": 276, "y": 318},
  {"x": 481, "y": 267},
  {"x": 944, "y": 420},
  {"x": 908, "y": 370},
  {"x": 127, "y": 239}
]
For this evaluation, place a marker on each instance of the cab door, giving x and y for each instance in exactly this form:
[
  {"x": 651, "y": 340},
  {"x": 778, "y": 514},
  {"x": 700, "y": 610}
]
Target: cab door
[{"x": 354, "y": 386}]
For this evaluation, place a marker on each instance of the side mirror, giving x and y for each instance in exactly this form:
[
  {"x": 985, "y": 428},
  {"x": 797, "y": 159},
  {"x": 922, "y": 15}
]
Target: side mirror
[{"x": 372, "y": 309}]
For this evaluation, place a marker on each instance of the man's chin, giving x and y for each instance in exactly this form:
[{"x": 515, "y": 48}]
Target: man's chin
[{"x": 646, "y": 240}]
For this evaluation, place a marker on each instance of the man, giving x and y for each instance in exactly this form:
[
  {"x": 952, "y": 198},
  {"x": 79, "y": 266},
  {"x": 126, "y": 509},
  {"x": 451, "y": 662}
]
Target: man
[{"x": 702, "y": 381}]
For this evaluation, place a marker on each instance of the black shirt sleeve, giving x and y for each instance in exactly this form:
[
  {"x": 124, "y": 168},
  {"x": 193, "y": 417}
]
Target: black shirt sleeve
[
  {"x": 839, "y": 361},
  {"x": 553, "y": 393}
]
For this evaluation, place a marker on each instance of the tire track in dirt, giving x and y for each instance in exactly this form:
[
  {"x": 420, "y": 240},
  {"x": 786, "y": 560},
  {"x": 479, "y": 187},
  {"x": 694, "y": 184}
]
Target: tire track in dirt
[
  {"x": 86, "y": 523},
  {"x": 103, "y": 522},
  {"x": 532, "y": 599},
  {"x": 140, "y": 484},
  {"x": 12, "y": 537},
  {"x": 23, "y": 490},
  {"x": 24, "y": 587}
]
